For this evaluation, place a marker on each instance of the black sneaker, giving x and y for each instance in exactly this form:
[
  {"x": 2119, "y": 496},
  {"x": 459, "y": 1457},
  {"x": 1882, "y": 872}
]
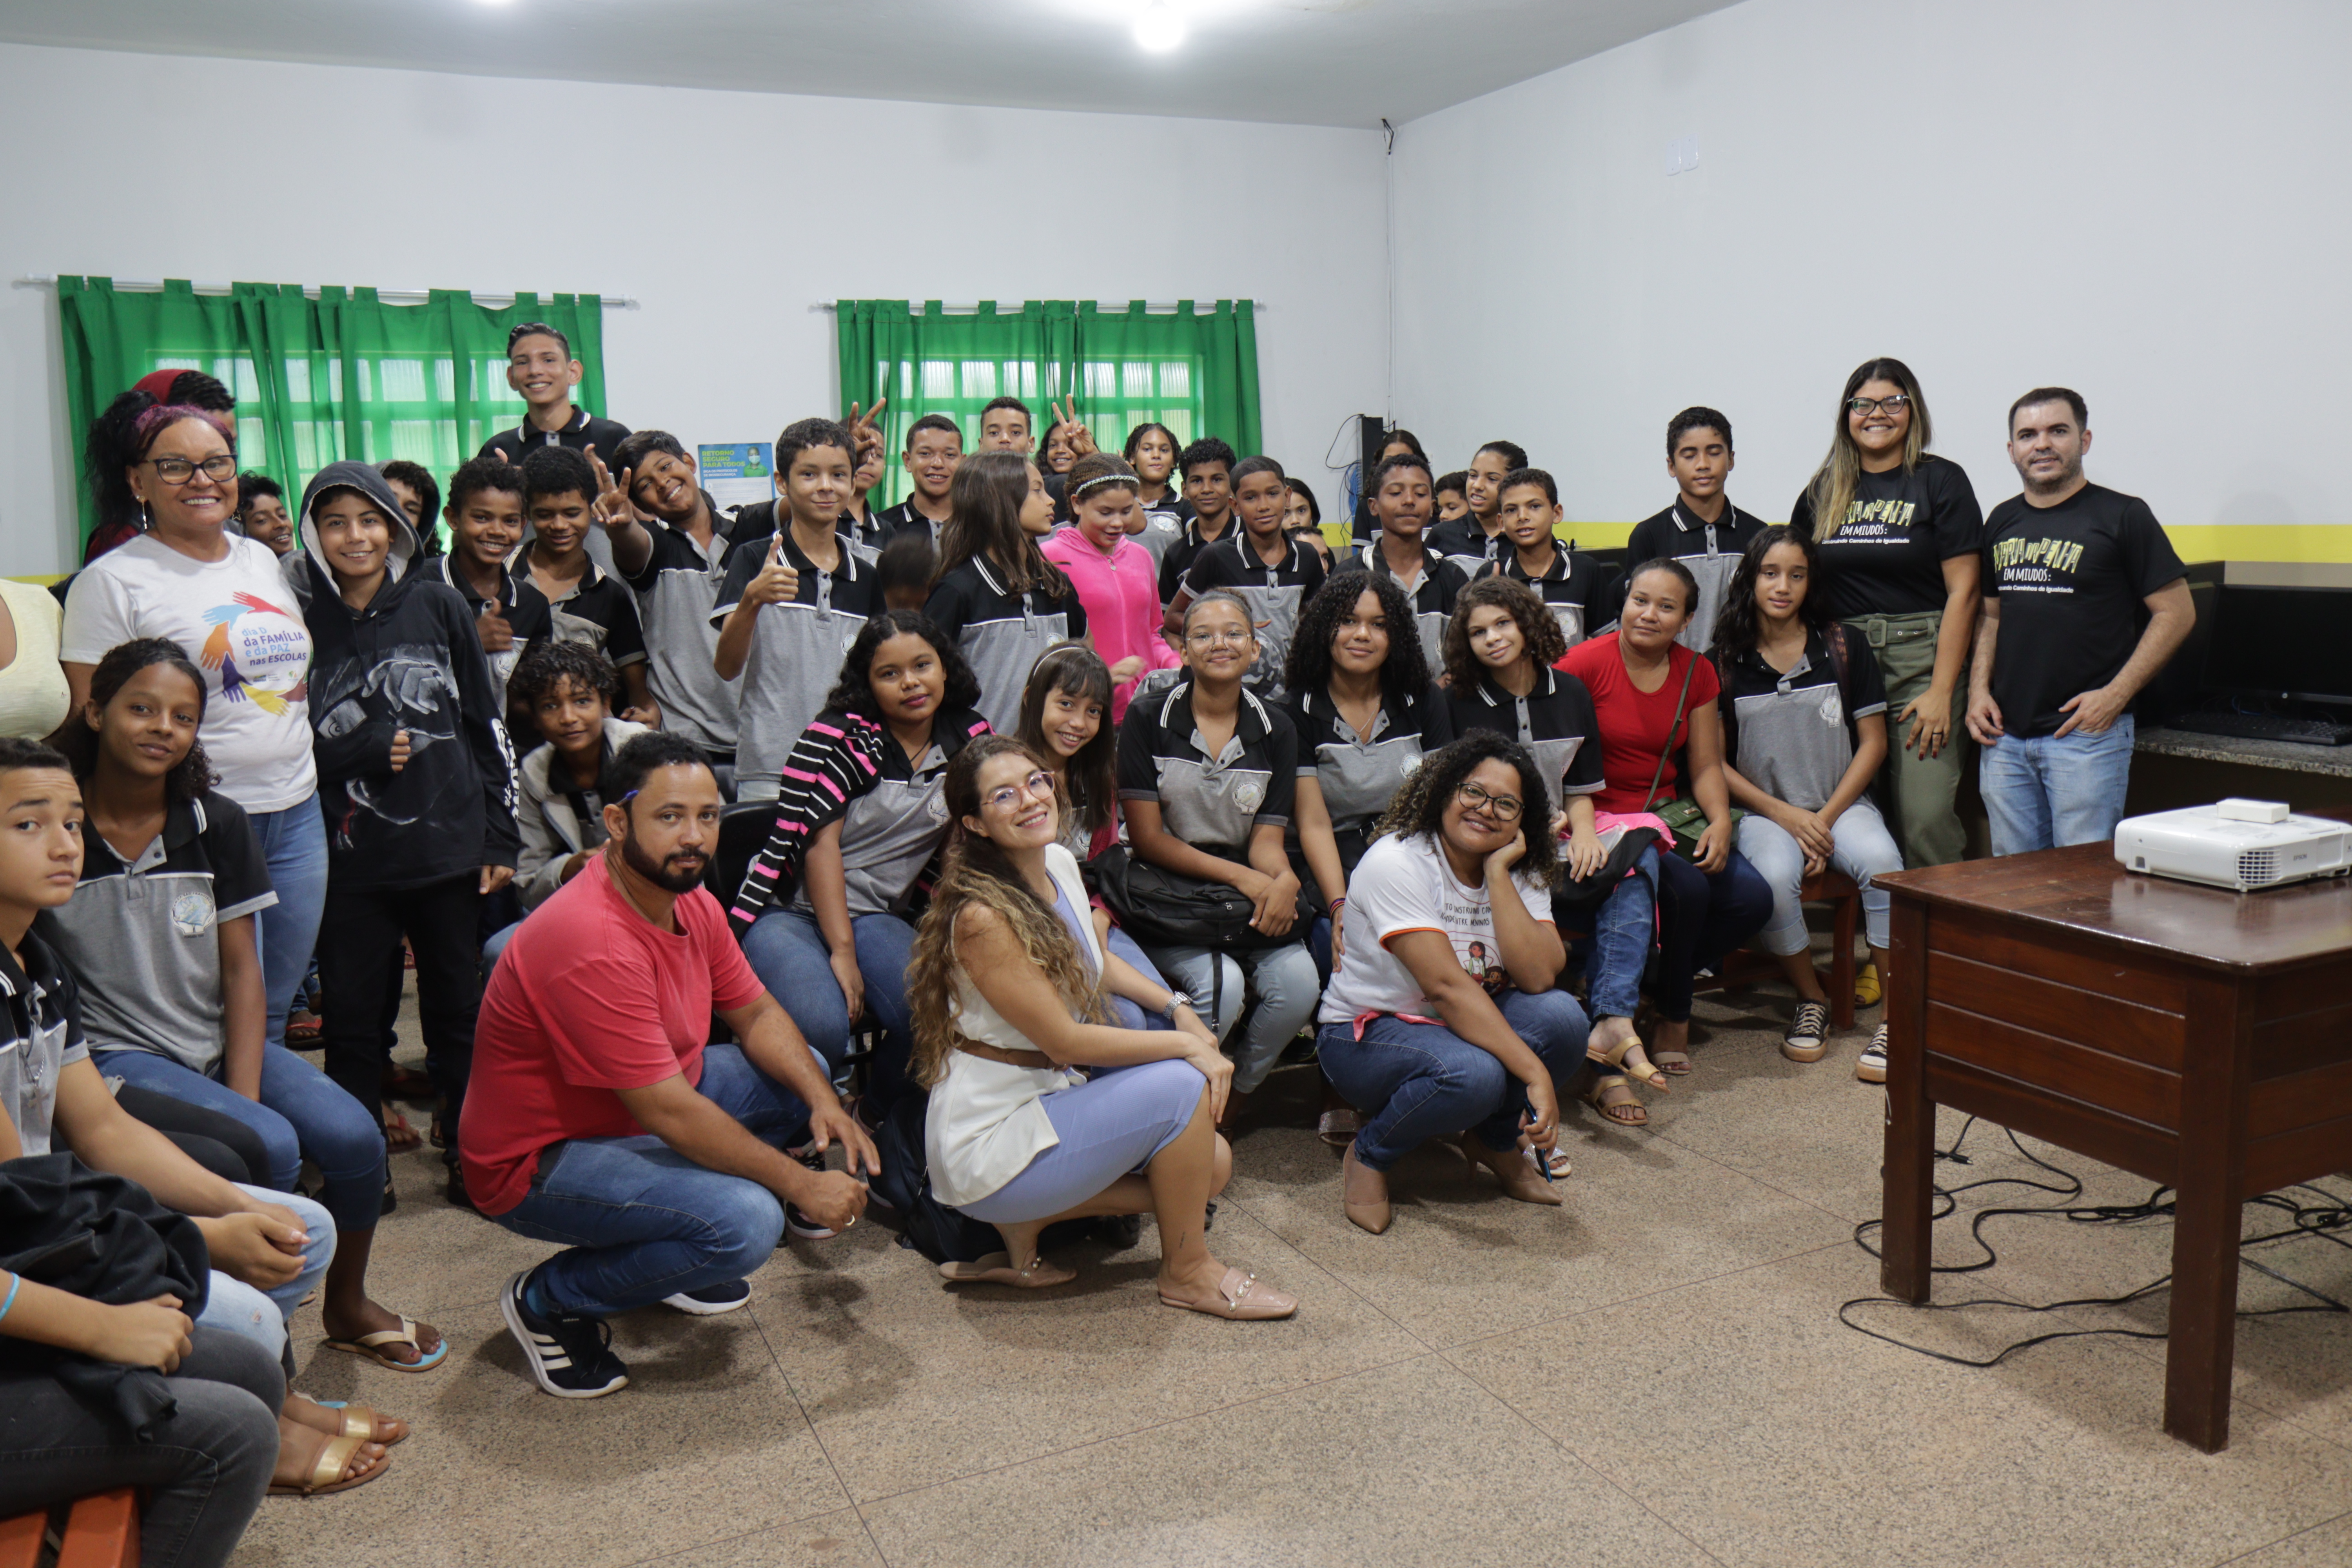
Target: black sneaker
[
  {"x": 1808, "y": 1037},
  {"x": 712, "y": 1300},
  {"x": 1872, "y": 1067},
  {"x": 796, "y": 1223},
  {"x": 572, "y": 1356}
]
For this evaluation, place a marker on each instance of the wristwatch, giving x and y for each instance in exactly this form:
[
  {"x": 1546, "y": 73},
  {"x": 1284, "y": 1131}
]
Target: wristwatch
[{"x": 1175, "y": 1000}]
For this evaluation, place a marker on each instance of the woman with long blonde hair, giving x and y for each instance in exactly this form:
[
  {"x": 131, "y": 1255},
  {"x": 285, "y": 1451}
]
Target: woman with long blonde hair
[
  {"x": 1897, "y": 529},
  {"x": 1007, "y": 985}
]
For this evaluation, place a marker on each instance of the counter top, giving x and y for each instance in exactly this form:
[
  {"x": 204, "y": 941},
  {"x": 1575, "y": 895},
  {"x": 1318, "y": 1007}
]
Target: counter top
[{"x": 2335, "y": 762}]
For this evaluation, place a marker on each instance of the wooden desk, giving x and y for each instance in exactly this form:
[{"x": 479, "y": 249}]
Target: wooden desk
[{"x": 2195, "y": 1038}]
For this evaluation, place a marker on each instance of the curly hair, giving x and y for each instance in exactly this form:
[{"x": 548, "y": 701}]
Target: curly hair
[
  {"x": 1419, "y": 808},
  {"x": 1737, "y": 623},
  {"x": 852, "y": 691},
  {"x": 1307, "y": 667},
  {"x": 1546, "y": 643},
  {"x": 1078, "y": 671},
  {"x": 76, "y": 738},
  {"x": 547, "y": 662},
  {"x": 977, "y": 875}
]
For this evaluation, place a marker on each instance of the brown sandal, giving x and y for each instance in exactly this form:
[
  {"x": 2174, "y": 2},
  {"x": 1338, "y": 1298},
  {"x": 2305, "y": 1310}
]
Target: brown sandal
[
  {"x": 328, "y": 1463},
  {"x": 1626, "y": 1112}
]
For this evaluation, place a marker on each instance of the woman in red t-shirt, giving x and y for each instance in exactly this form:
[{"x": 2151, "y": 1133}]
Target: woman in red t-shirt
[{"x": 1636, "y": 675}]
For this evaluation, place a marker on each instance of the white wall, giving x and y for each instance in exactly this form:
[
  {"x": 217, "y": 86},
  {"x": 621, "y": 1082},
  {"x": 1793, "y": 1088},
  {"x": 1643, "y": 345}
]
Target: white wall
[
  {"x": 142, "y": 167},
  {"x": 2143, "y": 199}
]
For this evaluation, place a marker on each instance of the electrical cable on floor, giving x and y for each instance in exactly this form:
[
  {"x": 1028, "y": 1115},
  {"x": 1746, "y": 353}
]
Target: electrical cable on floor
[{"x": 2321, "y": 1219}]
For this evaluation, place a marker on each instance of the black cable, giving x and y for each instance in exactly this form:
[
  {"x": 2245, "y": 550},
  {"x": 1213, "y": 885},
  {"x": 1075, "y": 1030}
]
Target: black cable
[{"x": 2309, "y": 1219}]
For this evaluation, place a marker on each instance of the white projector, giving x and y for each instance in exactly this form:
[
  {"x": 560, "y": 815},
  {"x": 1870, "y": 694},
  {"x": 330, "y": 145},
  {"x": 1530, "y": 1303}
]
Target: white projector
[{"x": 2238, "y": 844}]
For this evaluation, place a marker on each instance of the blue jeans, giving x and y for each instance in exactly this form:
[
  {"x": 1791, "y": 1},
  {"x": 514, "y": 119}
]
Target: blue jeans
[
  {"x": 1617, "y": 949},
  {"x": 1286, "y": 996},
  {"x": 294, "y": 843},
  {"x": 301, "y": 1112},
  {"x": 787, "y": 951},
  {"x": 1702, "y": 916},
  {"x": 1861, "y": 848},
  {"x": 2044, "y": 793},
  {"x": 1419, "y": 1081},
  {"x": 260, "y": 1315},
  {"x": 640, "y": 1221}
]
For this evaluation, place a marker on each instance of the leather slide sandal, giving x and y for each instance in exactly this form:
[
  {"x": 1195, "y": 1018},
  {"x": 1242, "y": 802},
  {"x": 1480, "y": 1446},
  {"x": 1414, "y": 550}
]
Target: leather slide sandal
[
  {"x": 996, "y": 1268},
  {"x": 1240, "y": 1297},
  {"x": 1626, "y": 1112},
  {"x": 331, "y": 1459}
]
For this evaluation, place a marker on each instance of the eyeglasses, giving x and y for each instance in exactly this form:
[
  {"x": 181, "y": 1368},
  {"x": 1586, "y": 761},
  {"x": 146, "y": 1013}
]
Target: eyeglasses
[
  {"x": 1226, "y": 639},
  {"x": 1473, "y": 797},
  {"x": 1039, "y": 785},
  {"x": 1894, "y": 404},
  {"x": 220, "y": 468}
]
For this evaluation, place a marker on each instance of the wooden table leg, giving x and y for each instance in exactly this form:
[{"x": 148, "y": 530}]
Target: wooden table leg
[
  {"x": 2203, "y": 1344},
  {"x": 1906, "y": 1249}
]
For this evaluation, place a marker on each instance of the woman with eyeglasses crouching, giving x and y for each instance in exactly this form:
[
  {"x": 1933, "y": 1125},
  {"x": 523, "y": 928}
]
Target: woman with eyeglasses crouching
[
  {"x": 1008, "y": 985},
  {"x": 1443, "y": 1018}
]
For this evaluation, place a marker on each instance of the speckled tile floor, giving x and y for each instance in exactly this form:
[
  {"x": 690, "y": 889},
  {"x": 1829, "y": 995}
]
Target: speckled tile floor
[{"x": 1653, "y": 1375}]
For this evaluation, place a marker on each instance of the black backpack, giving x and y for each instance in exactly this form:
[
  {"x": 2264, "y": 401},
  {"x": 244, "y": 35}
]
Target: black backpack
[
  {"x": 1161, "y": 908},
  {"x": 939, "y": 1231}
]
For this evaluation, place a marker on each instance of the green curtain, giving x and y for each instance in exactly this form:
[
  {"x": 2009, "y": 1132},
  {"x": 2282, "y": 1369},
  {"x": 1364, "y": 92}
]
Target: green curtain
[
  {"x": 343, "y": 375},
  {"x": 1194, "y": 372}
]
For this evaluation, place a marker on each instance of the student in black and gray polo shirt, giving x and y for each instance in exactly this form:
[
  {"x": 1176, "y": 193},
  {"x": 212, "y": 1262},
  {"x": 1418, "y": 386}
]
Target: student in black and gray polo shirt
[
  {"x": 585, "y": 603},
  {"x": 934, "y": 448},
  {"x": 541, "y": 369},
  {"x": 1702, "y": 530},
  {"x": 1266, "y": 569},
  {"x": 791, "y": 604},
  {"x": 1207, "y": 778},
  {"x": 1399, "y": 501},
  {"x": 676, "y": 566},
  {"x": 1571, "y": 584},
  {"x": 999, "y": 600}
]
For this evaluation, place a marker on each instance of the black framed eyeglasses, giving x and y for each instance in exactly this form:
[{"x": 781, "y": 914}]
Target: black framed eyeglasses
[
  {"x": 1894, "y": 404},
  {"x": 1473, "y": 797},
  {"x": 220, "y": 468}
]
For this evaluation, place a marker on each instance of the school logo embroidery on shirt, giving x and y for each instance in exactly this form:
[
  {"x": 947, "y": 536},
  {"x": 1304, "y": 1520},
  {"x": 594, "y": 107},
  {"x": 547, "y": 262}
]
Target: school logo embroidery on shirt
[
  {"x": 1248, "y": 793},
  {"x": 191, "y": 914},
  {"x": 1833, "y": 708},
  {"x": 938, "y": 806}
]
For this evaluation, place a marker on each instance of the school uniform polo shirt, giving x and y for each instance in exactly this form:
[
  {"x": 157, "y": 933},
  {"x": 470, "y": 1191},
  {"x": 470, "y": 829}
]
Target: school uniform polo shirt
[
  {"x": 584, "y": 431},
  {"x": 1275, "y": 595},
  {"x": 1555, "y": 720},
  {"x": 1792, "y": 736},
  {"x": 41, "y": 1036},
  {"x": 520, "y": 601},
  {"x": 891, "y": 830},
  {"x": 676, "y": 590},
  {"x": 598, "y": 610},
  {"x": 869, "y": 535},
  {"x": 1214, "y": 804},
  {"x": 1361, "y": 774},
  {"x": 1176, "y": 559},
  {"x": 902, "y": 517},
  {"x": 1711, "y": 551},
  {"x": 143, "y": 938},
  {"x": 1468, "y": 545},
  {"x": 1000, "y": 633},
  {"x": 796, "y": 651},
  {"x": 1433, "y": 592},
  {"x": 1573, "y": 588}
]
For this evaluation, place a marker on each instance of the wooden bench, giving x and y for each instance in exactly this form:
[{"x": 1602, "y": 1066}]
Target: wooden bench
[
  {"x": 1744, "y": 967},
  {"x": 100, "y": 1531}
]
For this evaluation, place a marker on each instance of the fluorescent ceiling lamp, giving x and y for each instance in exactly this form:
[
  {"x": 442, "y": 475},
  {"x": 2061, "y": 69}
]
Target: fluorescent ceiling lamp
[{"x": 1158, "y": 29}]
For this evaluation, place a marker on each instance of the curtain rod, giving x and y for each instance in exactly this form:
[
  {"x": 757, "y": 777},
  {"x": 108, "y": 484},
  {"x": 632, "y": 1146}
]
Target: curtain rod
[
  {"x": 310, "y": 291},
  {"x": 959, "y": 308}
]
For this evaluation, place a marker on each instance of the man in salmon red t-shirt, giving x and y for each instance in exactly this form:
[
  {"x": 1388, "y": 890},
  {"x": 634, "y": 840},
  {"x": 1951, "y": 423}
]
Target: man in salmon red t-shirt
[{"x": 598, "y": 1116}]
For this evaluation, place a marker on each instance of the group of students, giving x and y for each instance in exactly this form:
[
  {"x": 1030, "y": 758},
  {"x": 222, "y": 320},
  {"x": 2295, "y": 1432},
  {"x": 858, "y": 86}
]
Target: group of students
[{"x": 1089, "y": 795}]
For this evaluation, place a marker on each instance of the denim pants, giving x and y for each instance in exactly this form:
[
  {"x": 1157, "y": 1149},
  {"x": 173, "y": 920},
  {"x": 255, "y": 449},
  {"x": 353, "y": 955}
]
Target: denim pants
[
  {"x": 1286, "y": 996},
  {"x": 1112, "y": 1125},
  {"x": 2041, "y": 792},
  {"x": 640, "y": 1221},
  {"x": 294, "y": 843},
  {"x": 788, "y": 952},
  {"x": 1419, "y": 1081},
  {"x": 301, "y": 1112},
  {"x": 1861, "y": 848},
  {"x": 202, "y": 1477},
  {"x": 1617, "y": 950},
  {"x": 260, "y": 1315},
  {"x": 1702, "y": 916}
]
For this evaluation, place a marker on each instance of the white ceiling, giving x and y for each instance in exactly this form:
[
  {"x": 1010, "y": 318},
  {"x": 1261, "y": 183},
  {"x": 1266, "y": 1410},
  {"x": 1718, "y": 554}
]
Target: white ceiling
[{"x": 1314, "y": 62}]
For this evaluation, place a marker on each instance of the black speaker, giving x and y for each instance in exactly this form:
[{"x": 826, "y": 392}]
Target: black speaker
[{"x": 1371, "y": 435}]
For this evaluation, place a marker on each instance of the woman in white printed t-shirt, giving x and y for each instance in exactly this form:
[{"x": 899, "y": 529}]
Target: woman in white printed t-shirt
[
  {"x": 222, "y": 597},
  {"x": 1441, "y": 1017}
]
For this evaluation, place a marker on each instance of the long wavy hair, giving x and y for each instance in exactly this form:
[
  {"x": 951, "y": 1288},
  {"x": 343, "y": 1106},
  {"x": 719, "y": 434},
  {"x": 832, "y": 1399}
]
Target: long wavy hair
[
  {"x": 76, "y": 738},
  {"x": 1832, "y": 486},
  {"x": 1419, "y": 808},
  {"x": 978, "y": 875},
  {"x": 1076, "y": 670},
  {"x": 1308, "y": 667},
  {"x": 1738, "y": 624},
  {"x": 984, "y": 503},
  {"x": 1546, "y": 643}
]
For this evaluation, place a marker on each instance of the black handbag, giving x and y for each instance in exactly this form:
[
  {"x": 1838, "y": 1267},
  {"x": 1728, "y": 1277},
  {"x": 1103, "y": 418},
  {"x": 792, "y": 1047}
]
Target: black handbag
[{"x": 1161, "y": 908}]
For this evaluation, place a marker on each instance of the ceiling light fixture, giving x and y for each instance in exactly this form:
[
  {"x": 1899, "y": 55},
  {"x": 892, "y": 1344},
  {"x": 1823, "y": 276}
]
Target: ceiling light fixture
[{"x": 1158, "y": 29}]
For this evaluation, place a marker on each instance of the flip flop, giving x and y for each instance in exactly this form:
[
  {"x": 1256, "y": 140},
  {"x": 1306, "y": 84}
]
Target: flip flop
[
  {"x": 1240, "y": 1297},
  {"x": 996, "y": 1268},
  {"x": 372, "y": 1347},
  {"x": 399, "y": 1136},
  {"x": 327, "y": 1467}
]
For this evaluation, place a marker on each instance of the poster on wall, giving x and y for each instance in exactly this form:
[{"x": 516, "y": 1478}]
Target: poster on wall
[{"x": 739, "y": 474}]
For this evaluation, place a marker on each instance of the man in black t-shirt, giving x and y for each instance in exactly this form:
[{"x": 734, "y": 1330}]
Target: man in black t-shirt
[{"x": 2068, "y": 567}]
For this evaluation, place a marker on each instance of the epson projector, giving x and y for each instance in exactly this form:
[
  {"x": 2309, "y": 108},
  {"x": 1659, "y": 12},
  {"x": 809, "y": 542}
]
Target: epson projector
[{"x": 2238, "y": 844}]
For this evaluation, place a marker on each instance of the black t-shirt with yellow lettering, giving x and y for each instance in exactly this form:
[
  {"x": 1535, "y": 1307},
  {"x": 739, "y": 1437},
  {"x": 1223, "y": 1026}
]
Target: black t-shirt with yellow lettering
[
  {"x": 1887, "y": 557},
  {"x": 2070, "y": 579}
]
